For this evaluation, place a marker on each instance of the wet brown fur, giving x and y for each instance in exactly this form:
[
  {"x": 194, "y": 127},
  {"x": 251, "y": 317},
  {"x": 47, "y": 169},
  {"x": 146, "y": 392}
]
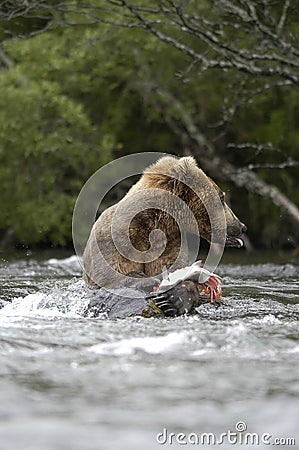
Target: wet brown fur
[{"x": 167, "y": 174}]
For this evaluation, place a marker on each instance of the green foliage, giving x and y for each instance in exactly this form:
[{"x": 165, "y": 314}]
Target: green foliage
[
  {"x": 48, "y": 149},
  {"x": 76, "y": 97}
]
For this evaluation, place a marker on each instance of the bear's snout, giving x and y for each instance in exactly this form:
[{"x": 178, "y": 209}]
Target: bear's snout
[{"x": 235, "y": 229}]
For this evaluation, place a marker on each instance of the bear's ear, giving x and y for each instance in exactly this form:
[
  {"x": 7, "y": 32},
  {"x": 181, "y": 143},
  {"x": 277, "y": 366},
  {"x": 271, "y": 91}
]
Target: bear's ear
[
  {"x": 184, "y": 169},
  {"x": 164, "y": 165},
  {"x": 179, "y": 168},
  {"x": 172, "y": 173}
]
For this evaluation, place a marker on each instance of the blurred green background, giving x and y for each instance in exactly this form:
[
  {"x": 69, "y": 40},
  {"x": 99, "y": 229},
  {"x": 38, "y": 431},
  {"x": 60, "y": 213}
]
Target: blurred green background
[{"x": 82, "y": 93}]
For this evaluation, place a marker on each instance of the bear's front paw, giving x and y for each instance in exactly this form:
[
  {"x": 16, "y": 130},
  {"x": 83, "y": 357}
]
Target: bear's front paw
[
  {"x": 164, "y": 303},
  {"x": 176, "y": 301}
]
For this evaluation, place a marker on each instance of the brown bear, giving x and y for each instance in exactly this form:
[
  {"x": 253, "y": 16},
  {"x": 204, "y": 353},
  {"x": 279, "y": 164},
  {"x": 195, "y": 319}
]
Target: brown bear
[{"x": 145, "y": 230}]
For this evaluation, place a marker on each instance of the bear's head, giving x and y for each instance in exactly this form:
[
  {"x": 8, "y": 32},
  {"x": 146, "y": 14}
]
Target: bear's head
[{"x": 184, "y": 179}]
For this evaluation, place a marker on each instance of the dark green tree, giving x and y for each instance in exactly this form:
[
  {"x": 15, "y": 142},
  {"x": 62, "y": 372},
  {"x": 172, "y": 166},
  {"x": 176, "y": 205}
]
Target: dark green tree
[{"x": 218, "y": 80}]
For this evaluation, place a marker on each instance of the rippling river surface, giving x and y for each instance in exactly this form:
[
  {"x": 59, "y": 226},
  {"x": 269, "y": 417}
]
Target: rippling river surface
[{"x": 74, "y": 383}]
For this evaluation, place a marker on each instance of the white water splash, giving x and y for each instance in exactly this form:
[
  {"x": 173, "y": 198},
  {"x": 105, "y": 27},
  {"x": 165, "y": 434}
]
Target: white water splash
[
  {"x": 68, "y": 300},
  {"x": 153, "y": 345},
  {"x": 31, "y": 305}
]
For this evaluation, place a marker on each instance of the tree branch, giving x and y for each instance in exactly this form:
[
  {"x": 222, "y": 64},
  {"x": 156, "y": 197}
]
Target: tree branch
[{"x": 268, "y": 49}]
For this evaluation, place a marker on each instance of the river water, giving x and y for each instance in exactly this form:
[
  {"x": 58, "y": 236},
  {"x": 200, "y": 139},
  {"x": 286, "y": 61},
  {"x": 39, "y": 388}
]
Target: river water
[{"x": 74, "y": 383}]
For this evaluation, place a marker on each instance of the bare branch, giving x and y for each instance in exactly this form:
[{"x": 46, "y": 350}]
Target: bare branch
[
  {"x": 269, "y": 50},
  {"x": 286, "y": 164},
  {"x": 283, "y": 16}
]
